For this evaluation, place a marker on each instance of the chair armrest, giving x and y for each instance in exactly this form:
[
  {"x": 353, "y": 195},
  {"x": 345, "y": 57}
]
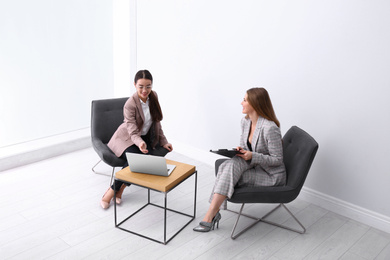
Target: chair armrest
[
  {"x": 100, "y": 147},
  {"x": 106, "y": 154}
]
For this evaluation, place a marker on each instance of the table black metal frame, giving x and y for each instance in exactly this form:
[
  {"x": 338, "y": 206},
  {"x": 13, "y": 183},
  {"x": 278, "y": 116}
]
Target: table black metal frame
[{"x": 165, "y": 241}]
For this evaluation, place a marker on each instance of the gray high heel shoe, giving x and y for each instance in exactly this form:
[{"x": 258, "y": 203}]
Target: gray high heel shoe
[{"x": 208, "y": 226}]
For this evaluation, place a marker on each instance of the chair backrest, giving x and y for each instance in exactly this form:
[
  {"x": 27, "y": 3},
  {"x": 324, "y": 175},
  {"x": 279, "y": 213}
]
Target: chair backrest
[
  {"x": 299, "y": 150},
  {"x": 106, "y": 116}
]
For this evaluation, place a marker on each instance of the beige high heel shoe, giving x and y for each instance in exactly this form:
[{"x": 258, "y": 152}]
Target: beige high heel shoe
[
  {"x": 118, "y": 198},
  {"x": 105, "y": 204}
]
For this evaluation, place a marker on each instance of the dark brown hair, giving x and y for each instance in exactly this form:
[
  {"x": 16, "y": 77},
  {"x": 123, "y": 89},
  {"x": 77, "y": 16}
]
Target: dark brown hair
[
  {"x": 154, "y": 105},
  {"x": 259, "y": 99}
]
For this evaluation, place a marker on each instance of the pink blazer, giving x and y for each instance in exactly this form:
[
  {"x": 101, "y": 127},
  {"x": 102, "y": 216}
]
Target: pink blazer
[{"x": 129, "y": 132}]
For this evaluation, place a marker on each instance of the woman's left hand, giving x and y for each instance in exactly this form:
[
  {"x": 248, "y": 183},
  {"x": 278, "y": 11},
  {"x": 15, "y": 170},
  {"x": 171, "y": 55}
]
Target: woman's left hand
[
  {"x": 168, "y": 146},
  {"x": 246, "y": 155}
]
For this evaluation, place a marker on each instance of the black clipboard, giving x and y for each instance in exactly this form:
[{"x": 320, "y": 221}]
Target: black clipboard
[{"x": 225, "y": 152}]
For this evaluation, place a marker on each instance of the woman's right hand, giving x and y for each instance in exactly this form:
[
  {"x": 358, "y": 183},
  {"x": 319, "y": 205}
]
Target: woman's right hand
[
  {"x": 239, "y": 148},
  {"x": 244, "y": 154},
  {"x": 142, "y": 147}
]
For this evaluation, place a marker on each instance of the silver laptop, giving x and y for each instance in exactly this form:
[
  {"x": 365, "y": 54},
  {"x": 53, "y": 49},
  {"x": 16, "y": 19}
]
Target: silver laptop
[{"x": 149, "y": 164}]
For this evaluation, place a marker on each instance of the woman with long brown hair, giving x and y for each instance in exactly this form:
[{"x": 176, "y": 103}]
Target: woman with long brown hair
[
  {"x": 140, "y": 131},
  {"x": 260, "y": 161}
]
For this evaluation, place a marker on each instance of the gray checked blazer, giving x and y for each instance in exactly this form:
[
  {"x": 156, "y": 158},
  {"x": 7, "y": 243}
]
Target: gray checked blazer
[{"x": 266, "y": 167}]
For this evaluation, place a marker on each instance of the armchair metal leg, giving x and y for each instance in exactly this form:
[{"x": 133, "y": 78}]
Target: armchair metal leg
[
  {"x": 112, "y": 173},
  {"x": 93, "y": 168},
  {"x": 257, "y": 220},
  {"x": 262, "y": 219},
  {"x": 283, "y": 226}
]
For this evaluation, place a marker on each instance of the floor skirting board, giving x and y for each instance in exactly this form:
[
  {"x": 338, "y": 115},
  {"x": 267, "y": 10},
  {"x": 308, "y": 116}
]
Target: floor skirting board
[
  {"x": 38, "y": 150},
  {"x": 346, "y": 209}
]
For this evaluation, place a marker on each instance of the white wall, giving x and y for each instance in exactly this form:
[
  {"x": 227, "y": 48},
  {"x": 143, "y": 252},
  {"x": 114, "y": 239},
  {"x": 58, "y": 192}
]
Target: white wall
[
  {"x": 124, "y": 46},
  {"x": 324, "y": 63},
  {"x": 55, "y": 58}
]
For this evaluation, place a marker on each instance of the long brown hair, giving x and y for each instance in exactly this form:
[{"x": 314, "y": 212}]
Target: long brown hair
[
  {"x": 154, "y": 105},
  {"x": 259, "y": 99}
]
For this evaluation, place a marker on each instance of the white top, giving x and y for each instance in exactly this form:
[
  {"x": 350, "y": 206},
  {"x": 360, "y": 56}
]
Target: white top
[{"x": 148, "y": 118}]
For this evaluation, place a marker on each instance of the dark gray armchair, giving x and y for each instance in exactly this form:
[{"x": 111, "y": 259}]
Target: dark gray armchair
[
  {"x": 106, "y": 116},
  {"x": 299, "y": 150}
]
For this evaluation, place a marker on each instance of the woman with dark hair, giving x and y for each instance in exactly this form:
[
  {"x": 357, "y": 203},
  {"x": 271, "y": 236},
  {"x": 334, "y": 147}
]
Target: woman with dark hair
[
  {"x": 260, "y": 161},
  {"x": 140, "y": 131}
]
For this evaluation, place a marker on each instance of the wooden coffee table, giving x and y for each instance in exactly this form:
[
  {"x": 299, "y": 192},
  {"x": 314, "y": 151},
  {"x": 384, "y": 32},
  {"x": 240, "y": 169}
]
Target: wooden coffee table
[{"x": 159, "y": 184}]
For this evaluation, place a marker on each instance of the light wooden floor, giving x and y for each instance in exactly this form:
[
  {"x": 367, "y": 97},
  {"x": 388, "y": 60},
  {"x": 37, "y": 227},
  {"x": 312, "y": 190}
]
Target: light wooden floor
[{"x": 50, "y": 210}]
